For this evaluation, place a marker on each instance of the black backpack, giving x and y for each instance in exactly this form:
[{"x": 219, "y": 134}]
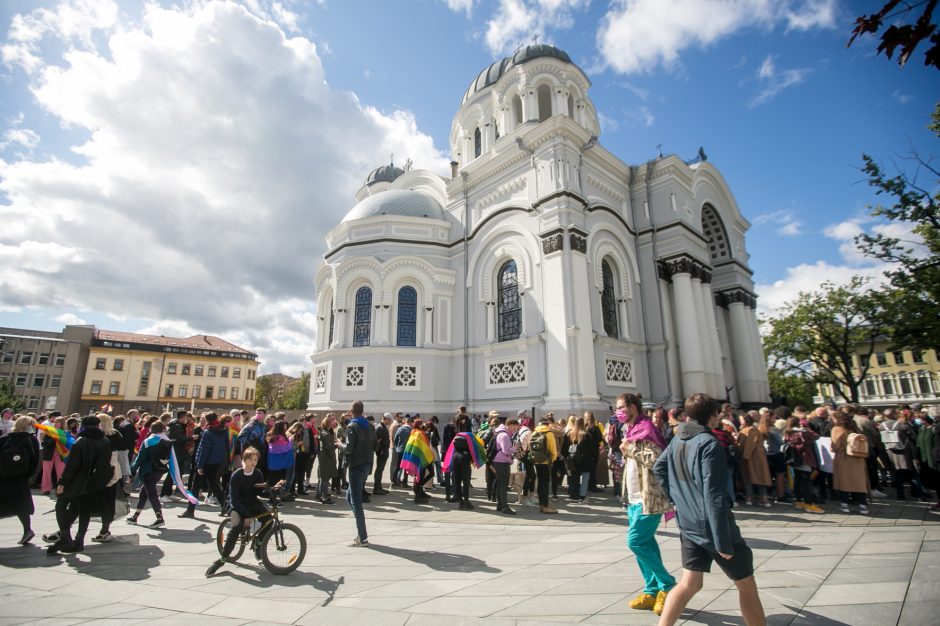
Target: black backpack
[
  {"x": 101, "y": 472},
  {"x": 491, "y": 449},
  {"x": 15, "y": 457}
]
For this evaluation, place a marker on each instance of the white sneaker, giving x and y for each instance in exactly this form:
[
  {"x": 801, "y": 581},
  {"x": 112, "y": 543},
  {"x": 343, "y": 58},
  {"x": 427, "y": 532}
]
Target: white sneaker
[
  {"x": 877, "y": 493},
  {"x": 211, "y": 501},
  {"x": 863, "y": 509},
  {"x": 844, "y": 508},
  {"x": 167, "y": 500}
]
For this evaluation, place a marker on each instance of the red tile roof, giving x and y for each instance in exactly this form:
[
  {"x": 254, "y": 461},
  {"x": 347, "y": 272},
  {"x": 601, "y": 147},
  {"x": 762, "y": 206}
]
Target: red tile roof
[{"x": 204, "y": 342}]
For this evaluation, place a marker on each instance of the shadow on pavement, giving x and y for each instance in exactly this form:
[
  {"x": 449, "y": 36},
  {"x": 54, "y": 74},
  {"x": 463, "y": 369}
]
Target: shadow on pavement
[
  {"x": 802, "y": 617},
  {"x": 266, "y": 579},
  {"x": 758, "y": 544},
  {"x": 441, "y": 561},
  {"x": 199, "y": 534}
]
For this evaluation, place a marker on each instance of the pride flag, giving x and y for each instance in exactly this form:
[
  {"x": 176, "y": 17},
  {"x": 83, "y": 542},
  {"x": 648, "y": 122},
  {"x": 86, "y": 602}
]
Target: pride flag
[
  {"x": 63, "y": 439},
  {"x": 153, "y": 440},
  {"x": 477, "y": 451},
  {"x": 232, "y": 436},
  {"x": 417, "y": 454}
]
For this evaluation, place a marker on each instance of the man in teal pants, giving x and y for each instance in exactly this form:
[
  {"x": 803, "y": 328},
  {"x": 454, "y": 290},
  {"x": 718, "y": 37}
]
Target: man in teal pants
[{"x": 645, "y": 500}]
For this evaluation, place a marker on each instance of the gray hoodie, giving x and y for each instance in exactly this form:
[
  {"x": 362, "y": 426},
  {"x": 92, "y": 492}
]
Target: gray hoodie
[{"x": 693, "y": 471}]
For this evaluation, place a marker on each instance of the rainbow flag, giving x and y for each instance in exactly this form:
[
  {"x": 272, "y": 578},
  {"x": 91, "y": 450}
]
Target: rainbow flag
[
  {"x": 175, "y": 474},
  {"x": 477, "y": 451},
  {"x": 63, "y": 439},
  {"x": 232, "y": 436},
  {"x": 417, "y": 454}
]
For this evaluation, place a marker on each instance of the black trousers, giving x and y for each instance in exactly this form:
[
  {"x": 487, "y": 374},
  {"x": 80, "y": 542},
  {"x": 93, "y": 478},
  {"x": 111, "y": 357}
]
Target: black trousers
[
  {"x": 502, "y": 485},
  {"x": 185, "y": 464},
  {"x": 380, "y": 462},
  {"x": 543, "y": 478},
  {"x": 460, "y": 476},
  {"x": 528, "y": 486},
  {"x": 67, "y": 510},
  {"x": 558, "y": 475},
  {"x": 210, "y": 481},
  {"x": 148, "y": 492},
  {"x": 302, "y": 468}
]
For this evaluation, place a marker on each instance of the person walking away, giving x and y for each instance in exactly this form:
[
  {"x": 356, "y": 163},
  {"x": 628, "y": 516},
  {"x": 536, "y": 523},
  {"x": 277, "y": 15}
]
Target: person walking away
[
  {"x": 645, "y": 501},
  {"x": 19, "y": 457},
  {"x": 151, "y": 462},
  {"x": 692, "y": 472},
  {"x": 359, "y": 451},
  {"x": 103, "y": 502},
  {"x": 51, "y": 459},
  {"x": 850, "y": 450},
  {"x": 542, "y": 455},
  {"x": 465, "y": 449},
  {"x": 88, "y": 470},
  {"x": 383, "y": 442},
  {"x": 417, "y": 460},
  {"x": 212, "y": 457},
  {"x": 502, "y": 462},
  {"x": 755, "y": 470}
]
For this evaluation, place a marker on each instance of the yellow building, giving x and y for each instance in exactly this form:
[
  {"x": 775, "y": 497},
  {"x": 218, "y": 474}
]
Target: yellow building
[
  {"x": 895, "y": 377},
  {"x": 154, "y": 373}
]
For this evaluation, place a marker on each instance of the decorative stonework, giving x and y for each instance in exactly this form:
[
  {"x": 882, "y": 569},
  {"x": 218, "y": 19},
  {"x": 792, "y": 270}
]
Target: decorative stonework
[
  {"x": 684, "y": 264},
  {"x": 619, "y": 371},
  {"x": 354, "y": 376},
  {"x": 731, "y": 296},
  {"x": 507, "y": 373},
  {"x": 319, "y": 380},
  {"x": 405, "y": 376},
  {"x": 578, "y": 241},
  {"x": 552, "y": 242}
]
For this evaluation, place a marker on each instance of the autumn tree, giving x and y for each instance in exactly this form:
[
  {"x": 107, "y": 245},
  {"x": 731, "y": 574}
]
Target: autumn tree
[
  {"x": 819, "y": 334},
  {"x": 899, "y": 36},
  {"x": 297, "y": 394}
]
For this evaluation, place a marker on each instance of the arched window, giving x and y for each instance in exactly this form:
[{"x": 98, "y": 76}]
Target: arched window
[
  {"x": 477, "y": 143},
  {"x": 363, "y": 324},
  {"x": 407, "y": 316},
  {"x": 571, "y": 107},
  {"x": 509, "y": 305},
  {"x": 609, "y": 301},
  {"x": 545, "y": 102},
  {"x": 516, "y": 111},
  {"x": 330, "y": 341},
  {"x": 715, "y": 234}
]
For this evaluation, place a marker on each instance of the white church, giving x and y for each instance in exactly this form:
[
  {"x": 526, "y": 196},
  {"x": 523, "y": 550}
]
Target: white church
[{"x": 544, "y": 273}]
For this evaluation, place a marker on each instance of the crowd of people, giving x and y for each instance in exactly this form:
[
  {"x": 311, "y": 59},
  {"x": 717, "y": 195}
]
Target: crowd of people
[{"x": 795, "y": 458}]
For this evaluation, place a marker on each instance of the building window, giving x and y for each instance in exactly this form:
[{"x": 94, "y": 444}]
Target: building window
[
  {"x": 509, "y": 310},
  {"x": 571, "y": 107},
  {"x": 144, "y": 379},
  {"x": 20, "y": 380},
  {"x": 198, "y": 370},
  {"x": 185, "y": 369},
  {"x": 7, "y": 357},
  {"x": 870, "y": 389},
  {"x": 905, "y": 384},
  {"x": 221, "y": 393},
  {"x": 39, "y": 380},
  {"x": 363, "y": 320},
  {"x": 118, "y": 365},
  {"x": 881, "y": 358},
  {"x": 100, "y": 364},
  {"x": 899, "y": 357},
  {"x": 917, "y": 356},
  {"x": 168, "y": 391},
  {"x": 59, "y": 360},
  {"x": 224, "y": 372},
  {"x": 249, "y": 394},
  {"x": 95, "y": 387},
  {"x": 609, "y": 302},
  {"x": 171, "y": 368},
  {"x": 209, "y": 391},
  {"x": 545, "y": 102},
  {"x": 32, "y": 403},
  {"x": 44, "y": 358},
  {"x": 236, "y": 372},
  {"x": 211, "y": 371},
  {"x": 407, "y": 316},
  {"x": 332, "y": 321},
  {"x": 234, "y": 393},
  {"x": 888, "y": 386},
  {"x": 516, "y": 111},
  {"x": 477, "y": 143},
  {"x": 26, "y": 358},
  {"x": 114, "y": 389},
  {"x": 54, "y": 381},
  {"x": 923, "y": 381},
  {"x": 197, "y": 389},
  {"x": 182, "y": 391},
  {"x": 251, "y": 374}
]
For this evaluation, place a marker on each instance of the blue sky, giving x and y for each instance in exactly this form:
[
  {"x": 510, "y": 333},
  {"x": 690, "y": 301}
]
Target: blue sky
[{"x": 174, "y": 168}]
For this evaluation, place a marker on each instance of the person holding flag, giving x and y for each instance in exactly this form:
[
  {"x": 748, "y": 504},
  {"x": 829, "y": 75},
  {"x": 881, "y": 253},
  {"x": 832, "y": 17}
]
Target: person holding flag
[
  {"x": 56, "y": 444},
  {"x": 415, "y": 459},
  {"x": 156, "y": 457},
  {"x": 464, "y": 449}
]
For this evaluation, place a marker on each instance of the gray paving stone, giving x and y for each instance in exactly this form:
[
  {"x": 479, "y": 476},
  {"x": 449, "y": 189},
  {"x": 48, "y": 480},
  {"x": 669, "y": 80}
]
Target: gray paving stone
[
  {"x": 878, "y": 614},
  {"x": 858, "y": 593}
]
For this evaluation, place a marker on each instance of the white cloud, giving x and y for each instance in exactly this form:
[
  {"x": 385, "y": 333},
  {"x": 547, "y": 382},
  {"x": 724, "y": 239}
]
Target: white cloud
[
  {"x": 20, "y": 137},
  {"x": 785, "y": 220},
  {"x": 637, "y": 36},
  {"x": 608, "y": 124},
  {"x": 807, "y": 277},
  {"x": 217, "y": 158},
  {"x": 902, "y": 98},
  {"x": 517, "y": 21},
  {"x": 70, "y": 319},
  {"x": 773, "y": 81},
  {"x": 460, "y": 6}
]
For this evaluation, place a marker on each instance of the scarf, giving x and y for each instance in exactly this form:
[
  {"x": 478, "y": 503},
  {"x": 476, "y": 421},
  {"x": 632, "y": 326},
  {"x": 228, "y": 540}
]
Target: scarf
[
  {"x": 643, "y": 428},
  {"x": 417, "y": 454},
  {"x": 477, "y": 451}
]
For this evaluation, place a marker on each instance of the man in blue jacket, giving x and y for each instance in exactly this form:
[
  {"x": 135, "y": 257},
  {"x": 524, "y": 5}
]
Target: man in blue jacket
[
  {"x": 693, "y": 471},
  {"x": 212, "y": 457}
]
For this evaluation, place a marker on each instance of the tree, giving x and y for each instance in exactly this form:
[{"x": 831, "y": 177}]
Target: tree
[
  {"x": 912, "y": 301},
  {"x": 298, "y": 393},
  {"x": 790, "y": 389},
  {"x": 818, "y": 335},
  {"x": 264, "y": 391},
  {"x": 8, "y": 397},
  {"x": 904, "y": 36}
]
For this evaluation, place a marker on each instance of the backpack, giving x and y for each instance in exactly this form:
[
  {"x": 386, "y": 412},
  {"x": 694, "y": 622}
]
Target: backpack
[
  {"x": 101, "y": 473},
  {"x": 857, "y": 445},
  {"x": 790, "y": 454},
  {"x": 518, "y": 452},
  {"x": 15, "y": 458},
  {"x": 491, "y": 448},
  {"x": 538, "y": 448},
  {"x": 573, "y": 459}
]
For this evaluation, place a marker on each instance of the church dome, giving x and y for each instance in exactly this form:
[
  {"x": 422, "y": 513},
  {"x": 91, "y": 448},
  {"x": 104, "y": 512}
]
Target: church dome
[
  {"x": 494, "y": 72},
  {"x": 385, "y": 174},
  {"x": 397, "y": 202}
]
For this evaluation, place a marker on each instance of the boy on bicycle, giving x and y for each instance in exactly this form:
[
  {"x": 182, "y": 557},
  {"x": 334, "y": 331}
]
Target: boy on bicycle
[{"x": 244, "y": 487}]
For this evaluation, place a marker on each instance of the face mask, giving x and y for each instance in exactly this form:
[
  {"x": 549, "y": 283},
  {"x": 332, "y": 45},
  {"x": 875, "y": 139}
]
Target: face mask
[
  {"x": 621, "y": 415},
  {"x": 918, "y": 421}
]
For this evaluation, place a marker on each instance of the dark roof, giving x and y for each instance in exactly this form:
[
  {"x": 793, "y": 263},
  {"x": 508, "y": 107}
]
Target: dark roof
[
  {"x": 495, "y": 71},
  {"x": 384, "y": 174},
  {"x": 203, "y": 342}
]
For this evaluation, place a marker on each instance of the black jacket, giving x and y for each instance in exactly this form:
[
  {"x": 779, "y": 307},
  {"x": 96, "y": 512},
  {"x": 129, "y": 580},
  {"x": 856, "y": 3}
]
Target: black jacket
[
  {"x": 382, "y": 440},
  {"x": 176, "y": 431},
  {"x": 129, "y": 432},
  {"x": 91, "y": 453},
  {"x": 360, "y": 443}
]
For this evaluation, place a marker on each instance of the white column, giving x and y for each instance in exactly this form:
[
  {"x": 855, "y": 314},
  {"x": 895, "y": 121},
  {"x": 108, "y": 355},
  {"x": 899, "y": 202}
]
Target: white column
[
  {"x": 704, "y": 343},
  {"x": 743, "y": 354},
  {"x": 624, "y": 324},
  {"x": 760, "y": 365},
  {"x": 428, "y": 315},
  {"x": 672, "y": 355},
  {"x": 490, "y": 312},
  {"x": 340, "y": 329},
  {"x": 712, "y": 339},
  {"x": 321, "y": 339},
  {"x": 530, "y": 109},
  {"x": 690, "y": 351}
]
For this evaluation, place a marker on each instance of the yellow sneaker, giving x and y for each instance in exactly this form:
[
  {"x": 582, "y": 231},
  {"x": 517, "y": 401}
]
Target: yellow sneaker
[
  {"x": 643, "y": 602},
  {"x": 813, "y": 508},
  {"x": 660, "y": 602}
]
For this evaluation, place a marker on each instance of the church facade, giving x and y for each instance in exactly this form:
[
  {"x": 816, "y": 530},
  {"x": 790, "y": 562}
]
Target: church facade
[{"x": 543, "y": 273}]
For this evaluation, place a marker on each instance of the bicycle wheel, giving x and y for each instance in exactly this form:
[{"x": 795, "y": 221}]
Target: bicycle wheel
[
  {"x": 284, "y": 549},
  {"x": 220, "y": 541}
]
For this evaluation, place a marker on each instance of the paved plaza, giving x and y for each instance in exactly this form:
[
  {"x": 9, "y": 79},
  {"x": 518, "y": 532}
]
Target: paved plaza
[{"x": 433, "y": 564}]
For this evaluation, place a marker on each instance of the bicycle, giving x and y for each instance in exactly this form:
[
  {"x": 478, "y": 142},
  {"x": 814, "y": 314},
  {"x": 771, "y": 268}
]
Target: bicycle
[{"x": 281, "y": 547}]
